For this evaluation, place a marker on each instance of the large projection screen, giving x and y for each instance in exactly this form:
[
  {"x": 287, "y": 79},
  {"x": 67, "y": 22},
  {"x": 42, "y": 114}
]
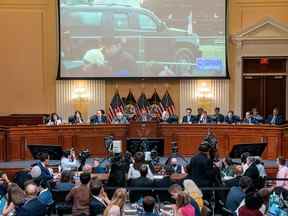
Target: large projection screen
[{"x": 142, "y": 39}]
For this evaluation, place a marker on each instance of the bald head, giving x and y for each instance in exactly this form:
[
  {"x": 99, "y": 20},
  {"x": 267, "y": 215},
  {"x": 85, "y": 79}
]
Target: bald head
[{"x": 31, "y": 190}]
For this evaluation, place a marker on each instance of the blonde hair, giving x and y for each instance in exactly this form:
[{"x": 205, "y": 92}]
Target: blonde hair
[
  {"x": 182, "y": 199},
  {"x": 118, "y": 199},
  {"x": 191, "y": 188}
]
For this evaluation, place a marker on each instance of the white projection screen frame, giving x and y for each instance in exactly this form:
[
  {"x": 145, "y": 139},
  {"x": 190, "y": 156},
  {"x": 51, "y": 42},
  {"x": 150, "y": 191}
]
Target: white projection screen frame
[{"x": 142, "y": 39}]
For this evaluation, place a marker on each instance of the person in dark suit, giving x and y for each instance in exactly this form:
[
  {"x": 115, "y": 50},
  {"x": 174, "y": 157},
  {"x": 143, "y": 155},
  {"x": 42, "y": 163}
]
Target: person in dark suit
[
  {"x": 32, "y": 205},
  {"x": 249, "y": 119},
  {"x": 166, "y": 181},
  {"x": 251, "y": 170},
  {"x": 188, "y": 118},
  {"x": 204, "y": 118},
  {"x": 45, "y": 173},
  {"x": 98, "y": 118},
  {"x": 230, "y": 118},
  {"x": 76, "y": 118},
  {"x": 199, "y": 113},
  {"x": 275, "y": 118},
  {"x": 217, "y": 117},
  {"x": 99, "y": 199},
  {"x": 142, "y": 181},
  {"x": 201, "y": 167}
]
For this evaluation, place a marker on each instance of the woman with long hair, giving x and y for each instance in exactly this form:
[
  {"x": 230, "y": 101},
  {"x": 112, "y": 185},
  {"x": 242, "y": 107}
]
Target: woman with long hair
[
  {"x": 183, "y": 205},
  {"x": 115, "y": 208},
  {"x": 192, "y": 189},
  {"x": 134, "y": 170}
]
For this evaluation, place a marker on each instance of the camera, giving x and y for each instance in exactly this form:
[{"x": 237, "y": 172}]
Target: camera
[{"x": 82, "y": 157}]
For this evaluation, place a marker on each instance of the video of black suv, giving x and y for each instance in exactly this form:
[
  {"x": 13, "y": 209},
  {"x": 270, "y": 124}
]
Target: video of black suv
[{"x": 142, "y": 38}]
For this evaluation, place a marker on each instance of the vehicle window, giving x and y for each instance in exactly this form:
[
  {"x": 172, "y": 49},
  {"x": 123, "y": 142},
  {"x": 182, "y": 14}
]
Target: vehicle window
[
  {"x": 147, "y": 23},
  {"x": 86, "y": 18},
  {"x": 120, "y": 21}
]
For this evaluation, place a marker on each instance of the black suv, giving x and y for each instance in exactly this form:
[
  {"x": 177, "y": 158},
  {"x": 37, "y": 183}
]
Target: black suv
[{"x": 145, "y": 36}]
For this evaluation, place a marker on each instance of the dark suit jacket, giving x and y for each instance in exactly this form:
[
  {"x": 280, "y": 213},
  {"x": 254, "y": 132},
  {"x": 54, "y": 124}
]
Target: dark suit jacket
[
  {"x": 278, "y": 120},
  {"x": 252, "y": 121},
  {"x": 96, "y": 207},
  {"x": 201, "y": 170},
  {"x": 232, "y": 120},
  {"x": 45, "y": 174},
  {"x": 209, "y": 120},
  {"x": 73, "y": 120},
  {"x": 217, "y": 118},
  {"x": 95, "y": 120},
  {"x": 32, "y": 207},
  {"x": 165, "y": 182},
  {"x": 193, "y": 119},
  {"x": 171, "y": 119},
  {"x": 141, "y": 182},
  {"x": 253, "y": 173}
]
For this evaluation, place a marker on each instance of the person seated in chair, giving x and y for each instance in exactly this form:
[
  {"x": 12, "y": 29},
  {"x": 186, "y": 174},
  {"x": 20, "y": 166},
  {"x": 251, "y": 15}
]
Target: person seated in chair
[
  {"x": 76, "y": 118},
  {"x": 188, "y": 118},
  {"x": 148, "y": 206},
  {"x": 32, "y": 205},
  {"x": 275, "y": 118},
  {"x": 257, "y": 116},
  {"x": 120, "y": 119},
  {"x": 98, "y": 118},
  {"x": 217, "y": 117},
  {"x": 230, "y": 118},
  {"x": 167, "y": 118},
  {"x": 54, "y": 119},
  {"x": 145, "y": 116},
  {"x": 204, "y": 118},
  {"x": 143, "y": 180},
  {"x": 99, "y": 200},
  {"x": 249, "y": 119},
  {"x": 175, "y": 166},
  {"x": 65, "y": 183}
]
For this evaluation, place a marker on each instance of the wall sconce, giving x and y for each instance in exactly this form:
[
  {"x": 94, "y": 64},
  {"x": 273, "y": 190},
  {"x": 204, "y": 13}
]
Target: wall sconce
[
  {"x": 80, "y": 98},
  {"x": 204, "y": 96}
]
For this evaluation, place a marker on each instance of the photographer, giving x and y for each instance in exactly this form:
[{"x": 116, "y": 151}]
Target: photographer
[{"x": 68, "y": 161}]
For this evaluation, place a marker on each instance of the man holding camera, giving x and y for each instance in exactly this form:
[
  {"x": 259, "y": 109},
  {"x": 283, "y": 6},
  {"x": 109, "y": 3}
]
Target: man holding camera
[{"x": 68, "y": 161}]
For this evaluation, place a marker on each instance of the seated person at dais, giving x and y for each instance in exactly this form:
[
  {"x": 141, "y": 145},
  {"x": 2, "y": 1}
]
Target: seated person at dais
[
  {"x": 275, "y": 118},
  {"x": 217, "y": 117},
  {"x": 54, "y": 119},
  {"x": 76, "y": 118},
  {"x": 145, "y": 116},
  {"x": 189, "y": 118},
  {"x": 167, "y": 118},
  {"x": 204, "y": 118},
  {"x": 120, "y": 119},
  {"x": 257, "y": 116},
  {"x": 98, "y": 118},
  {"x": 230, "y": 118},
  {"x": 249, "y": 119}
]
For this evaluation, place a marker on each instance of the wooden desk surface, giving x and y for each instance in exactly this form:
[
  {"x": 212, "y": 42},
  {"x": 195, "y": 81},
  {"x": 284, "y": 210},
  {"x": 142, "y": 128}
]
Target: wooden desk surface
[{"x": 14, "y": 140}]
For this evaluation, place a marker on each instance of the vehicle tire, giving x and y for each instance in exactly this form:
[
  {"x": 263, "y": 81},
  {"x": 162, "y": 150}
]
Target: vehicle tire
[{"x": 184, "y": 55}]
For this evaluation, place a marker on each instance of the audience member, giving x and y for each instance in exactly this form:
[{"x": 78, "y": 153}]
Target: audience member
[
  {"x": 253, "y": 203},
  {"x": 99, "y": 200},
  {"x": 45, "y": 195},
  {"x": 282, "y": 173},
  {"x": 166, "y": 181},
  {"x": 80, "y": 196},
  {"x": 183, "y": 205},
  {"x": 115, "y": 208},
  {"x": 134, "y": 170},
  {"x": 143, "y": 180},
  {"x": 16, "y": 199},
  {"x": 175, "y": 189},
  {"x": 41, "y": 167},
  {"x": 175, "y": 166},
  {"x": 148, "y": 206},
  {"x": 65, "y": 183},
  {"x": 117, "y": 176},
  {"x": 191, "y": 188},
  {"x": 251, "y": 171},
  {"x": 68, "y": 161},
  {"x": 238, "y": 171},
  {"x": 238, "y": 193}
]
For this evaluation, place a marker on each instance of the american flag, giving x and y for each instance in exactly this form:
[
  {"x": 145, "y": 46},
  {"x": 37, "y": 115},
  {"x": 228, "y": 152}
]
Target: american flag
[
  {"x": 130, "y": 99},
  {"x": 116, "y": 105},
  {"x": 155, "y": 100},
  {"x": 167, "y": 103},
  {"x": 142, "y": 103}
]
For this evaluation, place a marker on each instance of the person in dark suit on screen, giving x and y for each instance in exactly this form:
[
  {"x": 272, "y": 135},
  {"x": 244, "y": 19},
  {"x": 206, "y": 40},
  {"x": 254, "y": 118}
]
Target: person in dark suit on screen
[
  {"x": 98, "y": 118},
  {"x": 275, "y": 118},
  {"x": 188, "y": 118}
]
